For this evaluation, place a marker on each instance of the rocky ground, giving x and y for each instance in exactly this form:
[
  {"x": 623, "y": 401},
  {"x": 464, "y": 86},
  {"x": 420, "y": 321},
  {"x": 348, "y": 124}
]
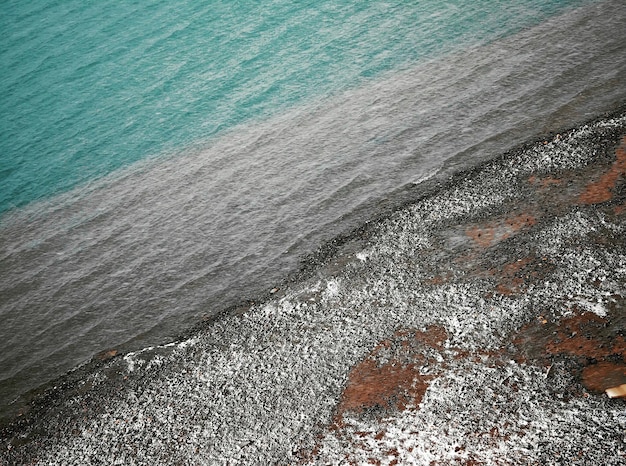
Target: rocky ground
[{"x": 483, "y": 323}]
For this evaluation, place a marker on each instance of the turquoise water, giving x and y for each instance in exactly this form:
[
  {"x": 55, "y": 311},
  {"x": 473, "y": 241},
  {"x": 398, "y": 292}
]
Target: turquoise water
[{"x": 89, "y": 87}]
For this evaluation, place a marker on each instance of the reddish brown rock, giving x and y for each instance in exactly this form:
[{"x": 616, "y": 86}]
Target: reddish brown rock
[
  {"x": 593, "y": 343},
  {"x": 386, "y": 386},
  {"x": 599, "y": 377},
  {"x": 396, "y": 383},
  {"x": 601, "y": 190},
  {"x": 489, "y": 234}
]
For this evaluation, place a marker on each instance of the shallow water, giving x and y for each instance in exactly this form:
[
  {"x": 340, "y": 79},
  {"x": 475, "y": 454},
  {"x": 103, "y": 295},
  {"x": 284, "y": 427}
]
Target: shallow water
[
  {"x": 135, "y": 257},
  {"x": 90, "y": 88}
]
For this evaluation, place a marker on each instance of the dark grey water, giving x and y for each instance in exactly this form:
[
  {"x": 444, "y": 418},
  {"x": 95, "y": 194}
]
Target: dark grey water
[{"x": 137, "y": 257}]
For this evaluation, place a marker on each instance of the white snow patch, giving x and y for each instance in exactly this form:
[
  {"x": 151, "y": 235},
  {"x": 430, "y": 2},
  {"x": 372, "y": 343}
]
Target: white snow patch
[
  {"x": 362, "y": 256},
  {"x": 332, "y": 288},
  {"x": 595, "y": 307}
]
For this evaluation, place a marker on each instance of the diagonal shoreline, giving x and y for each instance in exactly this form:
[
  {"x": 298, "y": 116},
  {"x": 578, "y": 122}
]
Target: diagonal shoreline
[
  {"x": 113, "y": 248},
  {"x": 426, "y": 335}
]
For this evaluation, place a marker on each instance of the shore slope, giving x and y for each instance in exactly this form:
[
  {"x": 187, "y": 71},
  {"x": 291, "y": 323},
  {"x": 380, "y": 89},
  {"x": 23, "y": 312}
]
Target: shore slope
[{"x": 481, "y": 324}]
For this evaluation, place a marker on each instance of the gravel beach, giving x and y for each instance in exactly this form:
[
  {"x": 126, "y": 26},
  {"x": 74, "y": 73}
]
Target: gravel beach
[{"x": 482, "y": 323}]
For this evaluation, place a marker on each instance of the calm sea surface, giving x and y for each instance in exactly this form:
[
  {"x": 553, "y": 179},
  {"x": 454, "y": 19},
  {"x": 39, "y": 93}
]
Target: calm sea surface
[{"x": 160, "y": 161}]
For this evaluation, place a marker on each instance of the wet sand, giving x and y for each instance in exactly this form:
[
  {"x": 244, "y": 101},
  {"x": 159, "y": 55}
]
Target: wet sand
[{"x": 482, "y": 323}]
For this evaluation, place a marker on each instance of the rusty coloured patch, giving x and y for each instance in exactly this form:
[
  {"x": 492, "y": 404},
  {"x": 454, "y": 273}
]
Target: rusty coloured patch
[
  {"x": 511, "y": 276},
  {"x": 586, "y": 336},
  {"x": 517, "y": 223},
  {"x": 514, "y": 277},
  {"x": 492, "y": 233},
  {"x": 599, "y": 377},
  {"x": 434, "y": 336},
  {"x": 386, "y": 386},
  {"x": 512, "y": 268},
  {"x": 392, "y": 383},
  {"x": 545, "y": 183},
  {"x": 601, "y": 190},
  {"x": 594, "y": 344},
  {"x": 106, "y": 355},
  {"x": 439, "y": 279},
  {"x": 482, "y": 236}
]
